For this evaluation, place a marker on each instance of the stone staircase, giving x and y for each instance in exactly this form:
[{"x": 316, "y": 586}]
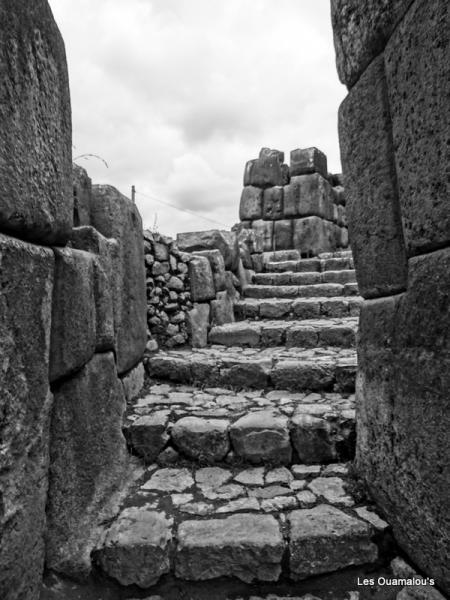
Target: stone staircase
[{"x": 245, "y": 445}]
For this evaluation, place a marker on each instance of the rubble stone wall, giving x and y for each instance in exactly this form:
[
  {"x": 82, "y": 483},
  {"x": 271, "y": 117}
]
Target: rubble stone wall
[
  {"x": 300, "y": 206},
  {"x": 72, "y": 317},
  {"x": 393, "y": 126}
]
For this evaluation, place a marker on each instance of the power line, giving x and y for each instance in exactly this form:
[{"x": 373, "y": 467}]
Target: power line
[{"x": 185, "y": 210}]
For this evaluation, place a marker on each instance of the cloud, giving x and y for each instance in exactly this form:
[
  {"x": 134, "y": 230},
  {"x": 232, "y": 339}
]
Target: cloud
[{"x": 178, "y": 95}]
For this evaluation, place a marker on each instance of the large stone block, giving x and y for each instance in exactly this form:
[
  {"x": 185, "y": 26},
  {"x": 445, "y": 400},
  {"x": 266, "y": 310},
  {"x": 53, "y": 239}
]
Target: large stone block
[
  {"x": 361, "y": 30},
  {"x": 198, "y": 325},
  {"x": 313, "y": 235},
  {"x": 264, "y": 230},
  {"x": 308, "y": 160},
  {"x": 88, "y": 460},
  {"x": 36, "y": 197},
  {"x": 82, "y": 193},
  {"x": 251, "y": 203},
  {"x": 273, "y": 203},
  {"x": 73, "y": 331},
  {"x": 202, "y": 439},
  {"x": 266, "y": 171},
  {"x": 201, "y": 279},
  {"x": 217, "y": 267},
  {"x": 213, "y": 239},
  {"x": 371, "y": 184},
  {"x": 308, "y": 195},
  {"x": 418, "y": 77},
  {"x": 26, "y": 281},
  {"x": 222, "y": 309},
  {"x": 283, "y": 235},
  {"x": 115, "y": 216},
  {"x": 90, "y": 240}
]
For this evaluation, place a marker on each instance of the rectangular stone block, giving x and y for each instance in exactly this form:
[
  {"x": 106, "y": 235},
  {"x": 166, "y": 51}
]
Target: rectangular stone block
[
  {"x": 371, "y": 184},
  {"x": 201, "y": 279},
  {"x": 88, "y": 462},
  {"x": 308, "y": 160},
  {"x": 264, "y": 230},
  {"x": 361, "y": 30},
  {"x": 251, "y": 203},
  {"x": 26, "y": 283},
  {"x": 73, "y": 329},
  {"x": 418, "y": 79},
  {"x": 283, "y": 235},
  {"x": 115, "y": 216},
  {"x": 222, "y": 309},
  {"x": 213, "y": 239},
  {"x": 217, "y": 267},
  {"x": 82, "y": 193},
  {"x": 313, "y": 235},
  {"x": 266, "y": 171},
  {"x": 36, "y": 196},
  {"x": 198, "y": 325},
  {"x": 273, "y": 203},
  {"x": 308, "y": 195}
]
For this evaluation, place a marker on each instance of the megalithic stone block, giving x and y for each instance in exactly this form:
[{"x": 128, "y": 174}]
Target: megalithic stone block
[
  {"x": 308, "y": 160},
  {"x": 222, "y": 310},
  {"x": 115, "y": 216},
  {"x": 212, "y": 239},
  {"x": 201, "y": 279},
  {"x": 198, "y": 324},
  {"x": 82, "y": 194},
  {"x": 266, "y": 171},
  {"x": 308, "y": 195},
  {"x": 264, "y": 230},
  {"x": 217, "y": 267},
  {"x": 251, "y": 203},
  {"x": 26, "y": 284},
  {"x": 273, "y": 203},
  {"x": 36, "y": 196},
  {"x": 313, "y": 235},
  {"x": 283, "y": 235}
]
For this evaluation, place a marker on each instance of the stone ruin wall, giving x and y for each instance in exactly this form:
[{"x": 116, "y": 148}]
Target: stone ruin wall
[
  {"x": 72, "y": 317},
  {"x": 394, "y": 135}
]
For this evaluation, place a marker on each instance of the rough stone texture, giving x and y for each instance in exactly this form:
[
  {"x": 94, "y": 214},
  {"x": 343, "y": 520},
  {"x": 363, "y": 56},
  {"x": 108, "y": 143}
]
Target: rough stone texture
[
  {"x": 371, "y": 183},
  {"x": 361, "y": 31},
  {"x": 264, "y": 229},
  {"x": 148, "y": 435},
  {"x": 245, "y": 546},
  {"x": 136, "y": 549},
  {"x": 26, "y": 281},
  {"x": 418, "y": 76},
  {"x": 324, "y": 539},
  {"x": 82, "y": 193},
  {"x": 312, "y": 438},
  {"x": 205, "y": 439},
  {"x": 213, "y": 239},
  {"x": 36, "y": 198},
  {"x": 115, "y": 216},
  {"x": 403, "y": 419},
  {"x": 308, "y": 195},
  {"x": 251, "y": 203},
  {"x": 87, "y": 461},
  {"x": 282, "y": 235},
  {"x": 313, "y": 235},
  {"x": 266, "y": 171},
  {"x": 273, "y": 203},
  {"x": 222, "y": 309},
  {"x": 198, "y": 325},
  {"x": 133, "y": 382},
  {"x": 73, "y": 331},
  {"x": 308, "y": 160},
  {"x": 261, "y": 437},
  {"x": 217, "y": 267},
  {"x": 201, "y": 278}
]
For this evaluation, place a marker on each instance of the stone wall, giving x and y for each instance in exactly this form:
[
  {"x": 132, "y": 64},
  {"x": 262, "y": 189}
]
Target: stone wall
[
  {"x": 393, "y": 125},
  {"x": 300, "y": 206},
  {"x": 72, "y": 317}
]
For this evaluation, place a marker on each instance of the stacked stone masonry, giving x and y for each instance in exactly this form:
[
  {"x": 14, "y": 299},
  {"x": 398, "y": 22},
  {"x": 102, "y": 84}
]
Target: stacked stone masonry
[
  {"x": 72, "y": 318},
  {"x": 393, "y": 126}
]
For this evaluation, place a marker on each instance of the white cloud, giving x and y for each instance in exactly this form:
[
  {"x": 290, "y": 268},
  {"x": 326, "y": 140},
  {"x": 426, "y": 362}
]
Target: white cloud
[{"x": 178, "y": 95}]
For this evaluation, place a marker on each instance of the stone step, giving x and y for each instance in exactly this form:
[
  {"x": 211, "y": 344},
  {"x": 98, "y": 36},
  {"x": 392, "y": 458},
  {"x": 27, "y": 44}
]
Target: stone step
[
  {"x": 295, "y": 369},
  {"x": 306, "y": 278},
  {"x": 301, "y": 291},
  {"x": 309, "y": 265},
  {"x": 214, "y": 425},
  {"x": 256, "y": 525},
  {"x": 300, "y": 308},
  {"x": 337, "y": 254},
  {"x": 281, "y": 255},
  {"x": 313, "y": 333}
]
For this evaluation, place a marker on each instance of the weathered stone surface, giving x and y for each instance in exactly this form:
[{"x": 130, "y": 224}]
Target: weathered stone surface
[
  {"x": 308, "y": 160},
  {"x": 217, "y": 267},
  {"x": 198, "y": 325},
  {"x": 73, "y": 331},
  {"x": 82, "y": 192},
  {"x": 250, "y": 207},
  {"x": 313, "y": 235},
  {"x": 361, "y": 31},
  {"x": 371, "y": 184},
  {"x": 133, "y": 382},
  {"x": 169, "y": 480},
  {"x": 264, "y": 229},
  {"x": 213, "y": 239},
  {"x": 202, "y": 439},
  {"x": 324, "y": 539},
  {"x": 266, "y": 171},
  {"x": 246, "y": 546},
  {"x": 26, "y": 281},
  {"x": 418, "y": 78},
  {"x": 308, "y": 195},
  {"x": 88, "y": 462},
  {"x": 90, "y": 240},
  {"x": 262, "y": 436},
  {"x": 137, "y": 547},
  {"x": 201, "y": 279},
  {"x": 282, "y": 235},
  {"x": 312, "y": 438},
  {"x": 332, "y": 489},
  {"x": 222, "y": 310},
  {"x": 36, "y": 196},
  {"x": 115, "y": 216},
  {"x": 148, "y": 435},
  {"x": 273, "y": 203}
]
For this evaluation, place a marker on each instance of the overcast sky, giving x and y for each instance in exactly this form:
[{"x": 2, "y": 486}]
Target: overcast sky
[{"x": 176, "y": 95}]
